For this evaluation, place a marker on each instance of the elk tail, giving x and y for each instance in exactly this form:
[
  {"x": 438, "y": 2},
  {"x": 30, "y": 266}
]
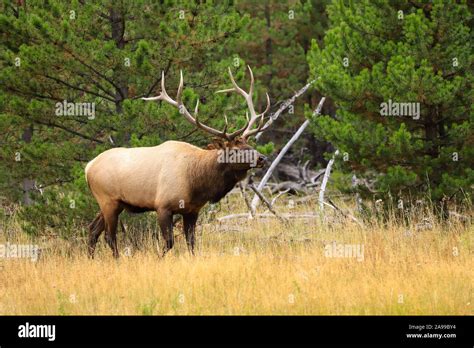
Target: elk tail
[
  {"x": 95, "y": 229},
  {"x": 98, "y": 224}
]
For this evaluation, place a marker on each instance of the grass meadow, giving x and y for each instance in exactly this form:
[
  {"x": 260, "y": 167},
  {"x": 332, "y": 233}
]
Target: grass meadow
[{"x": 251, "y": 267}]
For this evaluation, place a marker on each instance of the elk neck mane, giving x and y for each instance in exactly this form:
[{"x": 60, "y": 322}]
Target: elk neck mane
[{"x": 211, "y": 180}]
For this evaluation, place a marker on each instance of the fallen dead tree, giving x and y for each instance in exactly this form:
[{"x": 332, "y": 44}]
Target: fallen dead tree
[
  {"x": 300, "y": 179},
  {"x": 299, "y": 173},
  {"x": 290, "y": 186},
  {"x": 327, "y": 172},
  {"x": 345, "y": 215},
  {"x": 285, "y": 149},
  {"x": 268, "y": 215},
  {"x": 267, "y": 203}
]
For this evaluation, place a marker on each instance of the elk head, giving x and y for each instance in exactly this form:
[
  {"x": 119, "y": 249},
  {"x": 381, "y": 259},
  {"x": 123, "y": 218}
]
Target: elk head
[{"x": 233, "y": 148}]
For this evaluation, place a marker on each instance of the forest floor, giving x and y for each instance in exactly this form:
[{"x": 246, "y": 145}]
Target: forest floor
[{"x": 305, "y": 267}]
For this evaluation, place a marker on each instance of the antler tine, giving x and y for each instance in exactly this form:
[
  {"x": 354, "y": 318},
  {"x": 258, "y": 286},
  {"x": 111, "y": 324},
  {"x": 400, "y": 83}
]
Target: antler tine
[
  {"x": 163, "y": 94},
  {"x": 182, "y": 109},
  {"x": 252, "y": 81},
  {"x": 163, "y": 88},
  {"x": 196, "y": 108},
  {"x": 198, "y": 123},
  {"x": 236, "y": 86},
  {"x": 268, "y": 103},
  {"x": 249, "y": 132},
  {"x": 256, "y": 130},
  {"x": 180, "y": 87},
  {"x": 249, "y": 100},
  {"x": 246, "y": 131},
  {"x": 247, "y": 96},
  {"x": 241, "y": 130},
  {"x": 226, "y": 124}
]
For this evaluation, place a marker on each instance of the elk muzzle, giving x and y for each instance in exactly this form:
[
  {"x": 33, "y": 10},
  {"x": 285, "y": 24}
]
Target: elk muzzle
[{"x": 261, "y": 160}]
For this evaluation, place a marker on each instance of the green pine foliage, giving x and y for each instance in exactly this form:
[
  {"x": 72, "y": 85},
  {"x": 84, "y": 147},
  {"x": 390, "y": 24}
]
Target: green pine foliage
[
  {"x": 112, "y": 53},
  {"x": 108, "y": 53},
  {"x": 417, "y": 52}
]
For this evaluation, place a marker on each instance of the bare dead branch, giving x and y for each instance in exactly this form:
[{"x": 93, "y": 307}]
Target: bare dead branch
[
  {"x": 283, "y": 152},
  {"x": 278, "y": 196},
  {"x": 246, "y": 199},
  {"x": 325, "y": 181},
  {"x": 268, "y": 215},
  {"x": 267, "y": 203},
  {"x": 283, "y": 107},
  {"x": 348, "y": 215}
]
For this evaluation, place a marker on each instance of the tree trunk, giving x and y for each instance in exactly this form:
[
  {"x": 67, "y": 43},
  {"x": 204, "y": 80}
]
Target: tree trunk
[
  {"x": 117, "y": 23},
  {"x": 277, "y": 160},
  {"x": 268, "y": 43},
  {"x": 28, "y": 183}
]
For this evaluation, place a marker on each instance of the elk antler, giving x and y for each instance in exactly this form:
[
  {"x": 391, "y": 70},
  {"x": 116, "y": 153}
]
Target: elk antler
[
  {"x": 248, "y": 131},
  {"x": 182, "y": 109}
]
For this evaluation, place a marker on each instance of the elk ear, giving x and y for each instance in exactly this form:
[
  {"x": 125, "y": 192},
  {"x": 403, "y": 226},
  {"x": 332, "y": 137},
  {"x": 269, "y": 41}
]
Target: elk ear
[
  {"x": 216, "y": 144},
  {"x": 240, "y": 141}
]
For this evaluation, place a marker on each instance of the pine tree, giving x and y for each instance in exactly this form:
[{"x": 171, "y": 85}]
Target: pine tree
[
  {"x": 381, "y": 52},
  {"x": 106, "y": 54},
  {"x": 275, "y": 41}
]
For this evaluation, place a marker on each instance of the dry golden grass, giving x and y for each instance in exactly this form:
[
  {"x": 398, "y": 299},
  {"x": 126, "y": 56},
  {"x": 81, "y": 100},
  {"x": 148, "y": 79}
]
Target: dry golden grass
[{"x": 265, "y": 267}]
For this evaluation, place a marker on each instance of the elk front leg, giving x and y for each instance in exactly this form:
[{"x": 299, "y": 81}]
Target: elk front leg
[
  {"x": 189, "y": 227},
  {"x": 165, "y": 220}
]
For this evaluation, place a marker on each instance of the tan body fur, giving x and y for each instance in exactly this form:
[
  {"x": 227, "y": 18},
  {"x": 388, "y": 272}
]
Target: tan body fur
[
  {"x": 171, "y": 178},
  {"x": 156, "y": 177}
]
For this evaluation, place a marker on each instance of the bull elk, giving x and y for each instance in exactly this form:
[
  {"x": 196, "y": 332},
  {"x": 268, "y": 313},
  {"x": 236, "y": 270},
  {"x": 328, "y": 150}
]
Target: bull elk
[{"x": 174, "y": 177}]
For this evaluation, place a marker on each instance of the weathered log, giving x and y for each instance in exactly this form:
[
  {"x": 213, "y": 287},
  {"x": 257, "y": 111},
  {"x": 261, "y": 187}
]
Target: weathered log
[
  {"x": 277, "y": 160},
  {"x": 268, "y": 215},
  {"x": 325, "y": 181},
  {"x": 290, "y": 172},
  {"x": 290, "y": 186},
  {"x": 267, "y": 203}
]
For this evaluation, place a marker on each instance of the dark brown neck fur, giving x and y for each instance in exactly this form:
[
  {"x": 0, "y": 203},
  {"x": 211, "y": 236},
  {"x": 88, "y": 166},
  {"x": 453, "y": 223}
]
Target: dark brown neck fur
[{"x": 211, "y": 180}]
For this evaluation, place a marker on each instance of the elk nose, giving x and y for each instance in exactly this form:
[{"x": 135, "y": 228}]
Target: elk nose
[{"x": 262, "y": 159}]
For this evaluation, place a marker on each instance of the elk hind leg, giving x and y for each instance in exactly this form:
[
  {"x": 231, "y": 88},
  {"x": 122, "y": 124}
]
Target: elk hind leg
[
  {"x": 111, "y": 212},
  {"x": 95, "y": 230},
  {"x": 189, "y": 228}
]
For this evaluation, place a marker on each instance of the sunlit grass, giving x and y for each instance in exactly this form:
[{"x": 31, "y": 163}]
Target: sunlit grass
[{"x": 253, "y": 267}]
